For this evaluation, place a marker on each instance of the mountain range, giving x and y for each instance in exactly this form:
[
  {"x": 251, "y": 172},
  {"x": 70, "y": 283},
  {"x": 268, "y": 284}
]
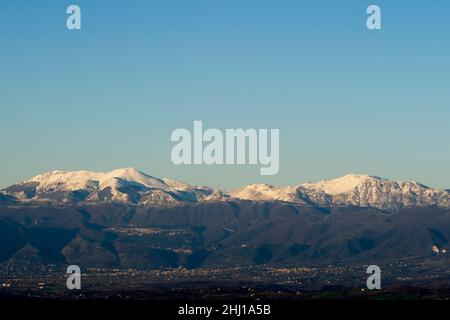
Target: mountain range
[
  {"x": 131, "y": 186},
  {"x": 127, "y": 219}
]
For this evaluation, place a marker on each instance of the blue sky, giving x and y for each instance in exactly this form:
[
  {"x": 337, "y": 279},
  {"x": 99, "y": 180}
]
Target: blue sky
[{"x": 346, "y": 99}]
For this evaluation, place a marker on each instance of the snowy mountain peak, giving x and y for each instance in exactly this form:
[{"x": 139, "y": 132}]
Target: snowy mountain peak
[
  {"x": 78, "y": 180},
  {"x": 134, "y": 175},
  {"x": 123, "y": 185},
  {"x": 350, "y": 190},
  {"x": 265, "y": 192},
  {"x": 131, "y": 174},
  {"x": 339, "y": 185}
]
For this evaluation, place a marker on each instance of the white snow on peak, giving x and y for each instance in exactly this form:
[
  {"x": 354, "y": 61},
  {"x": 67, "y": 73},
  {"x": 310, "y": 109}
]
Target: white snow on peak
[
  {"x": 134, "y": 175},
  {"x": 339, "y": 185},
  {"x": 262, "y": 192},
  {"x": 77, "y": 180}
]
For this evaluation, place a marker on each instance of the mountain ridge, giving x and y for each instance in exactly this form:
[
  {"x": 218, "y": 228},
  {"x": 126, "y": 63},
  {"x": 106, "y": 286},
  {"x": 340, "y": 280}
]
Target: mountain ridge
[{"x": 129, "y": 185}]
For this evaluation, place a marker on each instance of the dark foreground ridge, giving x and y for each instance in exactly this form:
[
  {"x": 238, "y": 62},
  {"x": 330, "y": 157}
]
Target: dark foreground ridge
[
  {"x": 219, "y": 234},
  {"x": 216, "y": 250}
]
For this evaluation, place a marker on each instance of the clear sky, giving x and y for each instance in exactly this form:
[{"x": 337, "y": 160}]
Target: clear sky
[{"x": 346, "y": 99}]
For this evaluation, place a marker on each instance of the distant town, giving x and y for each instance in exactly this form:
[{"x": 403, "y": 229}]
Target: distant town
[{"x": 429, "y": 278}]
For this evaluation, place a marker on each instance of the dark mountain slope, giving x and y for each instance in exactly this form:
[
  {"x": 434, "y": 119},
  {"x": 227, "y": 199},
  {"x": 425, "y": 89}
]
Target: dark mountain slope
[{"x": 221, "y": 233}]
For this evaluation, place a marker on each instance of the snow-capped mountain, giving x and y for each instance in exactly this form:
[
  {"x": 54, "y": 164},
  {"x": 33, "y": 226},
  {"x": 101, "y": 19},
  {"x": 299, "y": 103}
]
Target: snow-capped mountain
[
  {"x": 352, "y": 190},
  {"x": 265, "y": 192},
  {"x": 121, "y": 185},
  {"x": 129, "y": 185}
]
